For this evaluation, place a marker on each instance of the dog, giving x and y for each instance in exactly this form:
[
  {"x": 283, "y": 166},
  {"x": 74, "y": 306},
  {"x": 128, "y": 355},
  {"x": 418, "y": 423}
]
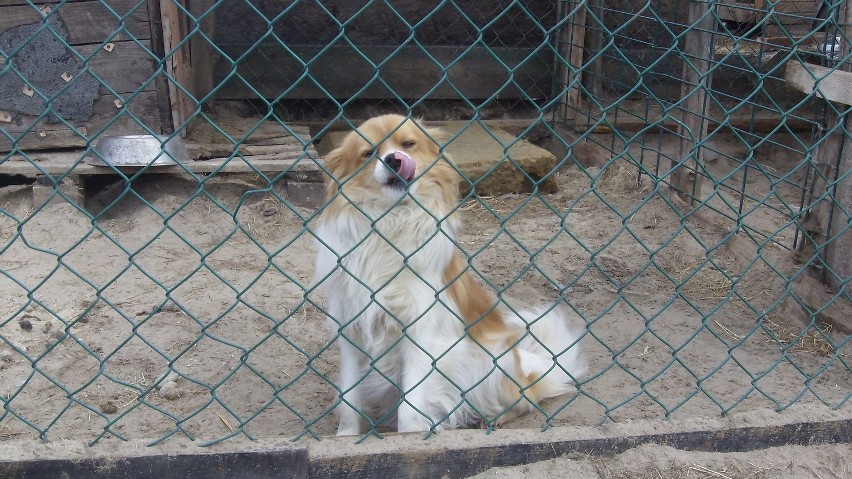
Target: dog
[{"x": 417, "y": 333}]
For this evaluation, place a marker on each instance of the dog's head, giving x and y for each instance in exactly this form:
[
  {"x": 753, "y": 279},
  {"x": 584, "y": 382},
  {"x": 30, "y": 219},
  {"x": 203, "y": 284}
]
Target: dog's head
[{"x": 387, "y": 159}]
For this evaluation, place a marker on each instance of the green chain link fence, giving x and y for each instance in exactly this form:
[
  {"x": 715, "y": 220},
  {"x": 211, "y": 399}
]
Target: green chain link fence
[{"x": 683, "y": 222}]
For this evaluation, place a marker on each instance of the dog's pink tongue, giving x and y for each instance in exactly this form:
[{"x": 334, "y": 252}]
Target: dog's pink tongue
[{"x": 407, "y": 166}]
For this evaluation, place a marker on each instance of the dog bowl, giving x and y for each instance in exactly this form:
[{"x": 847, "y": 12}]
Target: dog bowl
[{"x": 139, "y": 150}]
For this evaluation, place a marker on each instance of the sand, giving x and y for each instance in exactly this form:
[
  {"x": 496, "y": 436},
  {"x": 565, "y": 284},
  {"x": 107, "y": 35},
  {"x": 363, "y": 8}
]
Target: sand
[{"x": 655, "y": 461}]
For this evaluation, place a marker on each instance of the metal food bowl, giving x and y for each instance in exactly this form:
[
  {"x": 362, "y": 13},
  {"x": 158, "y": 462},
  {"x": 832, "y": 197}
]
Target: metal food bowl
[{"x": 139, "y": 150}]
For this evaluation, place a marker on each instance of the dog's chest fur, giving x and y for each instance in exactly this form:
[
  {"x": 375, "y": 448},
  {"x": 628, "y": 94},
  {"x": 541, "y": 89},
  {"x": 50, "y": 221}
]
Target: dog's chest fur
[{"x": 386, "y": 272}]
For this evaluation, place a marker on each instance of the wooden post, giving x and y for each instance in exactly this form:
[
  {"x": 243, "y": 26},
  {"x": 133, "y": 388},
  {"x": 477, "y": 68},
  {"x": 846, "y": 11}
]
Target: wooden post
[
  {"x": 596, "y": 46},
  {"x": 572, "y": 47},
  {"x": 202, "y": 58},
  {"x": 835, "y": 159},
  {"x": 697, "y": 52},
  {"x": 177, "y": 64}
]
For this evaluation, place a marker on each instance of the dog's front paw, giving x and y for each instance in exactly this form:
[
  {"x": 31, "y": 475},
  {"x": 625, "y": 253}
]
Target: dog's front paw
[
  {"x": 348, "y": 431},
  {"x": 349, "y": 426},
  {"x": 409, "y": 420},
  {"x": 486, "y": 424}
]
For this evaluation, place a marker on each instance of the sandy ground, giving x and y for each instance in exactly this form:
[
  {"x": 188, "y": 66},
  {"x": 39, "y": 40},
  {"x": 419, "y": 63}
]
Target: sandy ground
[
  {"x": 183, "y": 310},
  {"x": 655, "y": 461}
]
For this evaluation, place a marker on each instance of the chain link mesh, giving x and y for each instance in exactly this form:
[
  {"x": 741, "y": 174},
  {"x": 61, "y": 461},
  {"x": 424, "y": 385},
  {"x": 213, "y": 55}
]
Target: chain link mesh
[{"x": 204, "y": 321}]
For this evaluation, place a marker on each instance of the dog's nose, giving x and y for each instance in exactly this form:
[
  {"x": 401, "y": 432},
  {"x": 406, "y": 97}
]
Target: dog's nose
[
  {"x": 392, "y": 161},
  {"x": 401, "y": 164}
]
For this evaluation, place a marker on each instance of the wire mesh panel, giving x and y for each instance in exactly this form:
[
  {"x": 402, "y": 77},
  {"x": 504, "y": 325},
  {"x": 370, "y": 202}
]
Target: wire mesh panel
[{"x": 656, "y": 171}]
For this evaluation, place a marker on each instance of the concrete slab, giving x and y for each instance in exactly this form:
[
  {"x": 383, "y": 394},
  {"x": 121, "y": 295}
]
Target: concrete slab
[{"x": 494, "y": 161}]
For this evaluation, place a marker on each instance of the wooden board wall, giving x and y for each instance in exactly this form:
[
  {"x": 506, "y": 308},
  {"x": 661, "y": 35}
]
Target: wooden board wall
[
  {"x": 343, "y": 43},
  {"x": 437, "y": 72},
  {"x": 128, "y": 70}
]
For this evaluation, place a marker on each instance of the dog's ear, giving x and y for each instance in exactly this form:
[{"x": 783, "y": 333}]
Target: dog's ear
[
  {"x": 333, "y": 157},
  {"x": 437, "y": 135},
  {"x": 333, "y": 164}
]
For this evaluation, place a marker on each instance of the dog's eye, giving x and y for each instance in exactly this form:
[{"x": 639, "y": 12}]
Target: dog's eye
[
  {"x": 368, "y": 153},
  {"x": 408, "y": 144}
]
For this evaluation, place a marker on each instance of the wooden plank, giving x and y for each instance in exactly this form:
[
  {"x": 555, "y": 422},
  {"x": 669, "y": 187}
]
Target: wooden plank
[
  {"x": 218, "y": 150},
  {"x": 697, "y": 51},
  {"x": 368, "y": 24},
  {"x": 758, "y": 125},
  {"x": 296, "y": 162},
  {"x": 838, "y": 256},
  {"x": 201, "y": 53},
  {"x": 269, "y": 148},
  {"x": 833, "y": 194},
  {"x": 161, "y": 84},
  {"x": 177, "y": 65},
  {"x": 126, "y": 69},
  {"x": 827, "y": 83},
  {"x": 834, "y": 311},
  {"x": 621, "y": 123},
  {"x": 88, "y": 22},
  {"x": 784, "y": 12},
  {"x": 343, "y": 72},
  {"x": 5, "y": 3},
  {"x": 58, "y": 135}
]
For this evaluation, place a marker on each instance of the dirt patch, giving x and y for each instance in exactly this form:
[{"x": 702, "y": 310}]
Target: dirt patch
[{"x": 654, "y": 461}]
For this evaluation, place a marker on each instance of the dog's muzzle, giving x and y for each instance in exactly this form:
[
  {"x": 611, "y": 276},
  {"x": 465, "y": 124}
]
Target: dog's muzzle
[{"x": 403, "y": 167}]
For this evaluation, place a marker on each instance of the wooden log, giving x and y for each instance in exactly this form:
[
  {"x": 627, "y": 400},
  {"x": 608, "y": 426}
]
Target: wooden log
[
  {"x": 697, "y": 52},
  {"x": 445, "y": 72},
  {"x": 87, "y": 22}
]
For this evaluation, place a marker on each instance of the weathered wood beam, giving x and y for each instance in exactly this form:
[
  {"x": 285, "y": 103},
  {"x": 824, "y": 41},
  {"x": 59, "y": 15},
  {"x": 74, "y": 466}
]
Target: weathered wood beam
[
  {"x": 697, "y": 53},
  {"x": 827, "y": 83}
]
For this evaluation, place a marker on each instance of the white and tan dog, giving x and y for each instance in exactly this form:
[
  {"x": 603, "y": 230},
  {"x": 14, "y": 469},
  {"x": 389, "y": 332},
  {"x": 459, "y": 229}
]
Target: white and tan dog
[{"x": 414, "y": 329}]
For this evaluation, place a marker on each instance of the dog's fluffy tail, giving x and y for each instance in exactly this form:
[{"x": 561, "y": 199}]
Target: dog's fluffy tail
[{"x": 548, "y": 357}]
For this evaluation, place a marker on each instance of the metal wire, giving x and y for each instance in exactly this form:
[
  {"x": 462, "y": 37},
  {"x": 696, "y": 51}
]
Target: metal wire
[{"x": 630, "y": 84}]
